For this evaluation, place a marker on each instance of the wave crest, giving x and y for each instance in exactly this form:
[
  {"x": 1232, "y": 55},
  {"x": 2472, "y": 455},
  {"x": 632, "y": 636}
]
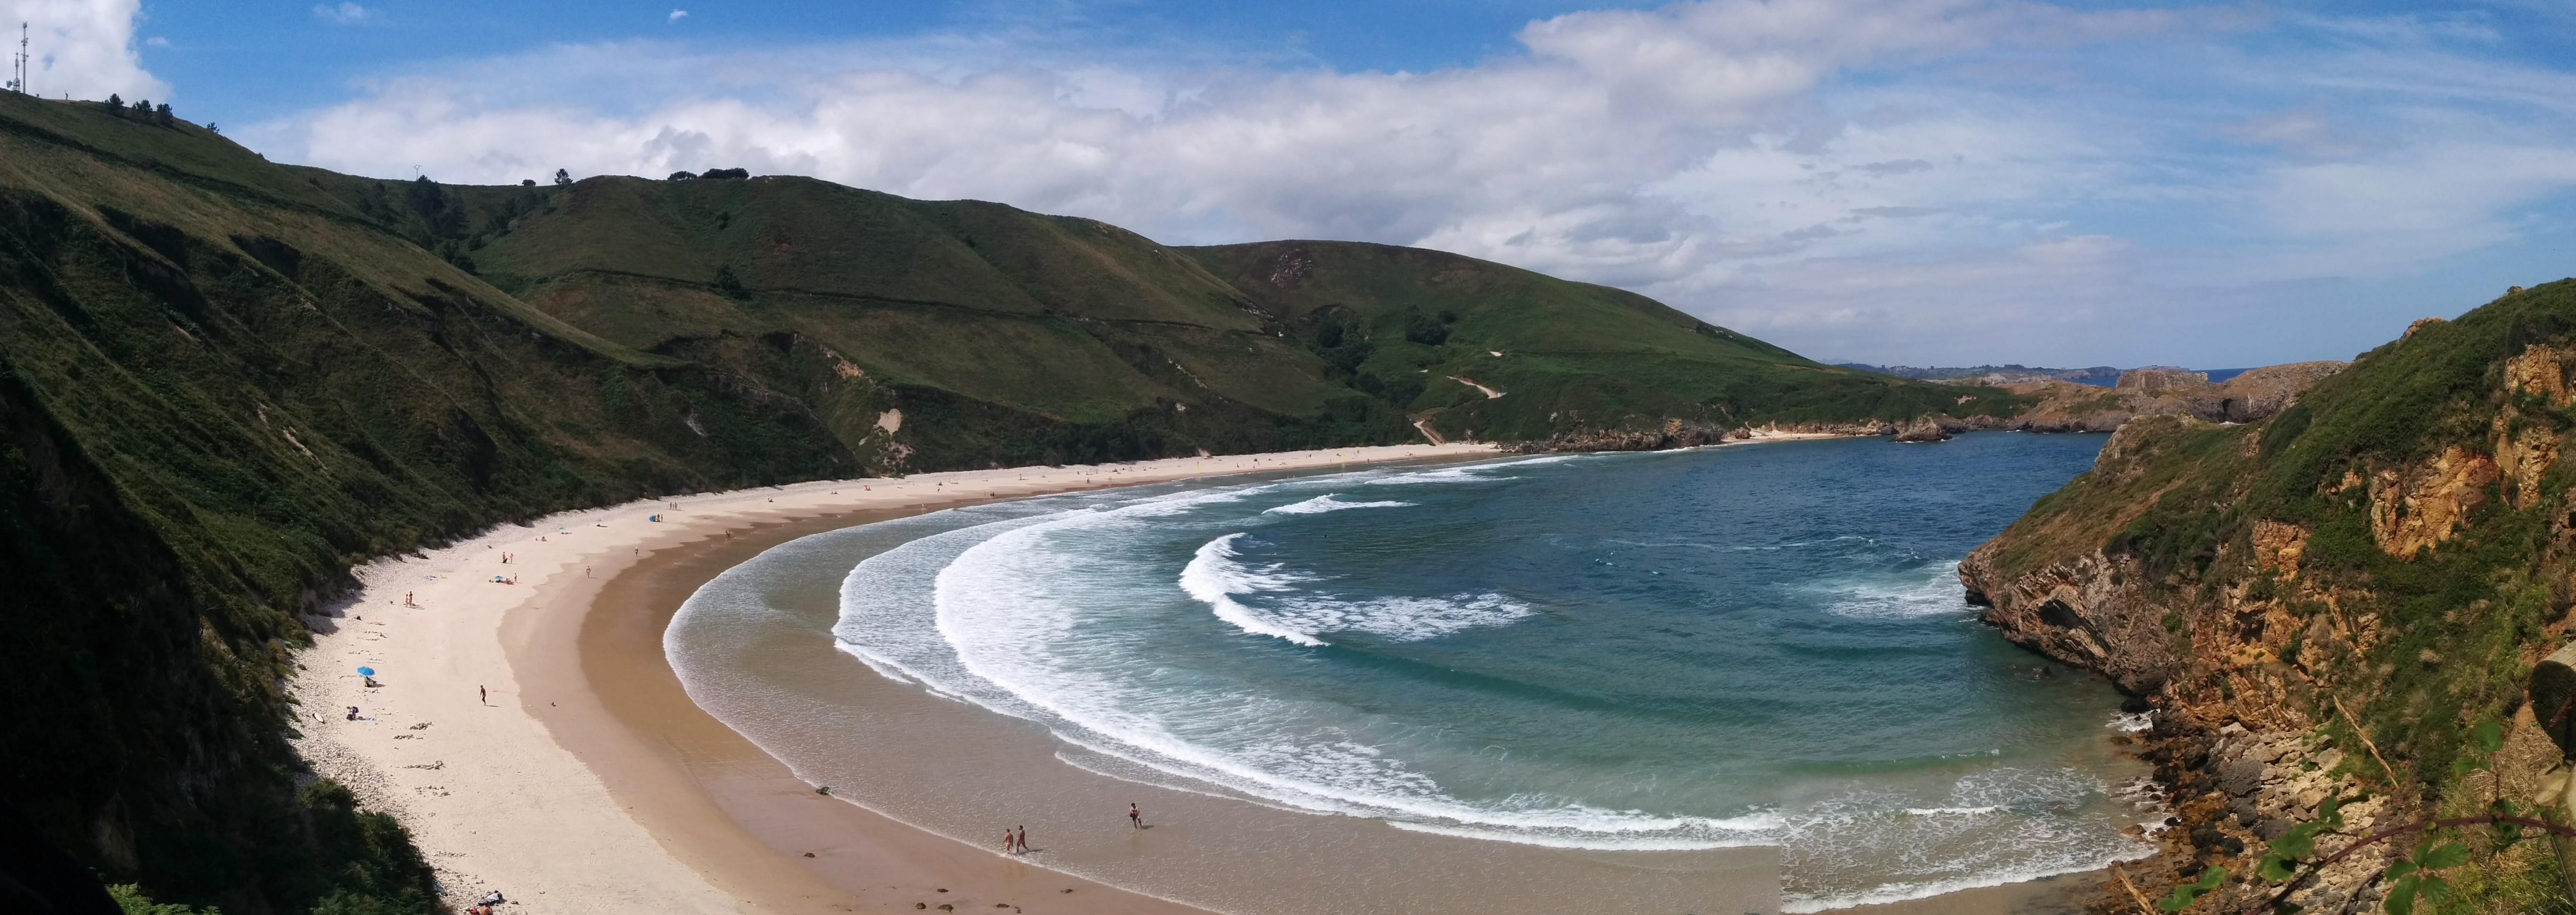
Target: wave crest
[
  {"x": 1326, "y": 503},
  {"x": 1218, "y": 576}
]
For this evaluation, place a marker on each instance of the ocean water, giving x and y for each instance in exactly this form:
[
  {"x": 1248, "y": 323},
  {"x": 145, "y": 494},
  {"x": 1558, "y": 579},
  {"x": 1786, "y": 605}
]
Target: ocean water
[{"x": 1750, "y": 645}]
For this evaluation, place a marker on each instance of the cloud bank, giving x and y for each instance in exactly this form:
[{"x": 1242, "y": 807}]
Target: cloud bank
[
  {"x": 81, "y": 48},
  {"x": 1893, "y": 180}
]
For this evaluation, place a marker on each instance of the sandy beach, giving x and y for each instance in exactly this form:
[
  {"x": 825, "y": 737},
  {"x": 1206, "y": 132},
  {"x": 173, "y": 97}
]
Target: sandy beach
[
  {"x": 469, "y": 740},
  {"x": 537, "y": 742}
]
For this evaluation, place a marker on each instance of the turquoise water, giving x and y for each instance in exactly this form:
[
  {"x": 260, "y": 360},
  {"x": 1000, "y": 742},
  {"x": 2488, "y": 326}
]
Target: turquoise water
[{"x": 1757, "y": 645}]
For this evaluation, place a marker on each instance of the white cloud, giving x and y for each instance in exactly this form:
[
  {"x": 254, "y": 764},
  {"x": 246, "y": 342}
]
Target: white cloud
[
  {"x": 343, "y": 13},
  {"x": 83, "y": 49},
  {"x": 156, "y": 41},
  {"x": 1892, "y": 179},
  {"x": 677, "y": 15}
]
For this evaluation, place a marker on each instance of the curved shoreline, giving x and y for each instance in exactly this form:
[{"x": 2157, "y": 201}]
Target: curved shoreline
[
  {"x": 601, "y": 787},
  {"x": 545, "y": 792}
]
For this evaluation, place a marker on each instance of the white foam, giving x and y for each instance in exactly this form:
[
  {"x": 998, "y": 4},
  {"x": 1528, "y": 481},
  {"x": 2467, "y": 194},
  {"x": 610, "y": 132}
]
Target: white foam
[
  {"x": 1326, "y": 503},
  {"x": 1403, "y": 619},
  {"x": 1003, "y": 614},
  {"x": 1010, "y": 607},
  {"x": 1929, "y": 590},
  {"x": 1998, "y": 826},
  {"x": 1446, "y": 475},
  {"x": 1216, "y": 579}
]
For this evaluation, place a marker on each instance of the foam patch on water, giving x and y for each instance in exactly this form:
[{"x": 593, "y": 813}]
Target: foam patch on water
[
  {"x": 1216, "y": 579},
  {"x": 2005, "y": 825},
  {"x": 1402, "y": 619},
  {"x": 1448, "y": 475},
  {"x": 1219, "y": 577},
  {"x": 1326, "y": 503},
  {"x": 1928, "y": 590}
]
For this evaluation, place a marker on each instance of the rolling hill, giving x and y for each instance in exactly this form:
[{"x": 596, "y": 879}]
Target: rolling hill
[{"x": 225, "y": 381}]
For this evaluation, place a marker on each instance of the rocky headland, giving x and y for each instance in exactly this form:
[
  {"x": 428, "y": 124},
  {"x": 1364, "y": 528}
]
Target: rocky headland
[
  {"x": 2042, "y": 406},
  {"x": 2316, "y": 593}
]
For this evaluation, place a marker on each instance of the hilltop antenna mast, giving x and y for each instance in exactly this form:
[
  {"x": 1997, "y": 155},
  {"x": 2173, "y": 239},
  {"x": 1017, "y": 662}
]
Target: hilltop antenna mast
[{"x": 18, "y": 78}]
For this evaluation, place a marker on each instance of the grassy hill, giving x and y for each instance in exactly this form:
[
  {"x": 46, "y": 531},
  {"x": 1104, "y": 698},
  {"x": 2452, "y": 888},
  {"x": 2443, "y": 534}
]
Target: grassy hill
[
  {"x": 1415, "y": 327},
  {"x": 2370, "y": 574},
  {"x": 224, "y": 381},
  {"x": 222, "y": 386}
]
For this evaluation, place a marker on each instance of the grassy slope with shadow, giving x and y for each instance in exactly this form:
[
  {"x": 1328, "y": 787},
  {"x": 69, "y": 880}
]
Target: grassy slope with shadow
[
  {"x": 1406, "y": 323},
  {"x": 224, "y": 381}
]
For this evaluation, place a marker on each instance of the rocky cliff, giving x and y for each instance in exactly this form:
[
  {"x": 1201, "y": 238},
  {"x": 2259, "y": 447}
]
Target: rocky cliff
[
  {"x": 2042, "y": 406},
  {"x": 2324, "y": 602},
  {"x": 2251, "y": 396}
]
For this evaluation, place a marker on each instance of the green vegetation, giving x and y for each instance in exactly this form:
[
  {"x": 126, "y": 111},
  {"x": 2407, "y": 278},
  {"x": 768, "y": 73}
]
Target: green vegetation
[
  {"x": 1405, "y": 324},
  {"x": 130, "y": 898},
  {"x": 220, "y": 387},
  {"x": 2440, "y": 642},
  {"x": 224, "y": 382}
]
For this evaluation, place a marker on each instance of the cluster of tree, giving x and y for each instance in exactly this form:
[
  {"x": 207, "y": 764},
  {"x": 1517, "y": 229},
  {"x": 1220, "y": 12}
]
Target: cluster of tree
[
  {"x": 142, "y": 110},
  {"x": 1428, "y": 330},
  {"x": 730, "y": 285},
  {"x": 1345, "y": 349},
  {"x": 712, "y": 174}
]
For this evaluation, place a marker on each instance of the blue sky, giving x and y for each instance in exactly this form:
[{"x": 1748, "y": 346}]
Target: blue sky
[{"x": 1912, "y": 181}]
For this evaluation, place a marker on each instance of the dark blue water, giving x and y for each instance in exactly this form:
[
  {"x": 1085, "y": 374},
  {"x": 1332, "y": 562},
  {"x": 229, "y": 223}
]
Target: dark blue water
[{"x": 1762, "y": 644}]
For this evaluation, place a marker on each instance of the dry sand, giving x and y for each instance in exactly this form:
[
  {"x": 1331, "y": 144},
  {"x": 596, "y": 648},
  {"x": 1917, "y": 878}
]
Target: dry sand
[
  {"x": 498, "y": 801},
  {"x": 589, "y": 782}
]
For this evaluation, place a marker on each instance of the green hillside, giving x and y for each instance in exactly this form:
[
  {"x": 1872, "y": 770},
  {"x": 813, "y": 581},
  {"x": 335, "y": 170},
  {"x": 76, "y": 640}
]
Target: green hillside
[
  {"x": 223, "y": 387},
  {"x": 1408, "y": 324},
  {"x": 225, "y": 381},
  {"x": 962, "y": 315}
]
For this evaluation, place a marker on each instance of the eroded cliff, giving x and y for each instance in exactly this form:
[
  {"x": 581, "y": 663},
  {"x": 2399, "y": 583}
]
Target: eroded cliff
[{"x": 2326, "y": 602}]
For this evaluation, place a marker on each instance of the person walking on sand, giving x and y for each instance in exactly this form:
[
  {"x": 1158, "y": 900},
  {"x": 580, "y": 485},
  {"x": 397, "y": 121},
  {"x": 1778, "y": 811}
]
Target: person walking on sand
[
  {"x": 1135, "y": 817},
  {"x": 483, "y": 695}
]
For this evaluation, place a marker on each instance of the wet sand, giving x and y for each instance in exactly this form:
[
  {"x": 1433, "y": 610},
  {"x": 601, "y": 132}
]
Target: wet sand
[{"x": 675, "y": 811}]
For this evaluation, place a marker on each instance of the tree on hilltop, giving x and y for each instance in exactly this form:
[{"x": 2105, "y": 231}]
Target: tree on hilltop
[
  {"x": 562, "y": 176},
  {"x": 114, "y": 103},
  {"x": 730, "y": 285}
]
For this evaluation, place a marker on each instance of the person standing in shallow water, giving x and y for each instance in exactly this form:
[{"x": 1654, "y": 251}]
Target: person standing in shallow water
[
  {"x": 1010, "y": 845},
  {"x": 1135, "y": 817},
  {"x": 1024, "y": 840}
]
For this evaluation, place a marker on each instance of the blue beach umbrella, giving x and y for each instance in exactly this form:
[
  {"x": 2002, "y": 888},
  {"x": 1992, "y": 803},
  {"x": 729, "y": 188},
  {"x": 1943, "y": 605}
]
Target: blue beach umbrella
[{"x": 366, "y": 671}]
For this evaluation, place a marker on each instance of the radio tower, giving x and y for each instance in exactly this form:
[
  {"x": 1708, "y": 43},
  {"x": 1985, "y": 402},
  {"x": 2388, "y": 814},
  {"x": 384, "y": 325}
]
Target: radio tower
[{"x": 18, "y": 70}]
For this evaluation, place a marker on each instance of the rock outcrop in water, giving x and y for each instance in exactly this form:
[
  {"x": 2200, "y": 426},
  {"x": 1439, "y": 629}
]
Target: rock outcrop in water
[
  {"x": 2323, "y": 601},
  {"x": 1923, "y": 429}
]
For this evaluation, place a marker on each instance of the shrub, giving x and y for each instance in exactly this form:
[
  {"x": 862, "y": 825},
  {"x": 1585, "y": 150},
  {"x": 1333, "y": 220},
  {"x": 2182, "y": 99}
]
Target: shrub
[{"x": 1425, "y": 329}]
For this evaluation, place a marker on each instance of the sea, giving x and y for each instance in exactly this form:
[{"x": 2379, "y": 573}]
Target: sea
[{"x": 1758, "y": 645}]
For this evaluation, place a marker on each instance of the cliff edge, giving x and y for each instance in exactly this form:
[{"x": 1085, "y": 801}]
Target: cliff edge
[{"x": 2326, "y": 602}]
